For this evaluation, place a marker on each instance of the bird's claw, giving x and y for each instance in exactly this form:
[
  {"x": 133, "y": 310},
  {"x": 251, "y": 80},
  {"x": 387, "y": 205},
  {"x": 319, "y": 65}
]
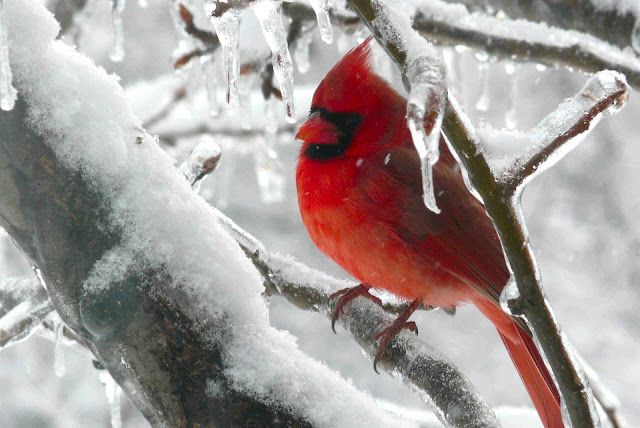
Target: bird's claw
[
  {"x": 345, "y": 296},
  {"x": 387, "y": 335}
]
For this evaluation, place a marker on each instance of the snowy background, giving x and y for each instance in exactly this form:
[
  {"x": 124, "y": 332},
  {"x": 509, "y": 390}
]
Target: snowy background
[{"x": 581, "y": 216}]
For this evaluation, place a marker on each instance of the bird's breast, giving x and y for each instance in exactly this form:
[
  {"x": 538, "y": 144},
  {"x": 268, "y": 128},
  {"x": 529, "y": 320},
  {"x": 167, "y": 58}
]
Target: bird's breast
[{"x": 360, "y": 233}]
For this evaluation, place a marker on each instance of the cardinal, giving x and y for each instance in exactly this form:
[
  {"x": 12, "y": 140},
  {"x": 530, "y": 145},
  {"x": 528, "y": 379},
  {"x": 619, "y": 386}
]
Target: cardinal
[{"x": 361, "y": 199}]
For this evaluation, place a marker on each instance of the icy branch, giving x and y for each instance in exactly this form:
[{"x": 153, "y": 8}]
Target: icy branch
[
  {"x": 558, "y": 133},
  {"x": 503, "y": 206},
  {"x": 24, "y": 304},
  {"x": 520, "y": 40},
  {"x": 611, "y": 21}
]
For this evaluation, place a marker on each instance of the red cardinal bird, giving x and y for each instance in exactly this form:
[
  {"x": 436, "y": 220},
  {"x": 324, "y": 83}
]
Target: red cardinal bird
[{"x": 360, "y": 196}]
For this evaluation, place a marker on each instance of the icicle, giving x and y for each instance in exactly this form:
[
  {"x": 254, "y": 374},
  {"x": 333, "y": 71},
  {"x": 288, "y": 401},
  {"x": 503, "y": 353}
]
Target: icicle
[
  {"x": 427, "y": 78},
  {"x": 58, "y": 350},
  {"x": 635, "y": 36},
  {"x": 117, "y": 50},
  {"x": 113, "y": 393},
  {"x": 268, "y": 13},
  {"x": 324, "y": 24},
  {"x": 302, "y": 50},
  {"x": 483, "y": 101},
  {"x": 510, "y": 118},
  {"x": 269, "y": 171},
  {"x": 208, "y": 65},
  {"x": 8, "y": 93},
  {"x": 228, "y": 30}
]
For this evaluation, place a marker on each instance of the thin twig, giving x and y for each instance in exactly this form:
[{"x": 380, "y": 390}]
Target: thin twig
[{"x": 448, "y": 24}]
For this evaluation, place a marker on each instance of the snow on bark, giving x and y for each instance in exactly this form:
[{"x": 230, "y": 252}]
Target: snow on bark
[{"x": 80, "y": 112}]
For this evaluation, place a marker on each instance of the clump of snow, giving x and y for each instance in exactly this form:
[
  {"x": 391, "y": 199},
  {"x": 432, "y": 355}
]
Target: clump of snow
[{"x": 81, "y": 113}]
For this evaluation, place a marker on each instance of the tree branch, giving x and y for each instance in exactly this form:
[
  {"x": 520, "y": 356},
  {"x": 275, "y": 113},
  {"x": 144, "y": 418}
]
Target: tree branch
[
  {"x": 449, "y": 24},
  {"x": 608, "y": 22}
]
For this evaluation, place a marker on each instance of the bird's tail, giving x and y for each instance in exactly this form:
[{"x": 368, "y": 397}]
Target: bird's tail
[{"x": 530, "y": 365}]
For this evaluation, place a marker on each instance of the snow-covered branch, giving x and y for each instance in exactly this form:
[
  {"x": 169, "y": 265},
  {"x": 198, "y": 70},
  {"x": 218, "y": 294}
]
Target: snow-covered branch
[
  {"x": 521, "y": 40},
  {"x": 503, "y": 205},
  {"x": 611, "y": 21}
]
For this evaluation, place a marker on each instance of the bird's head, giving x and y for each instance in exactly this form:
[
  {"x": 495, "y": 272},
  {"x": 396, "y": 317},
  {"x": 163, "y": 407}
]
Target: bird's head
[{"x": 352, "y": 111}]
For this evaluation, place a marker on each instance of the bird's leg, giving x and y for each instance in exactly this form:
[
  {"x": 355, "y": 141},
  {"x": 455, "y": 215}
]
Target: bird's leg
[
  {"x": 386, "y": 335},
  {"x": 345, "y": 296}
]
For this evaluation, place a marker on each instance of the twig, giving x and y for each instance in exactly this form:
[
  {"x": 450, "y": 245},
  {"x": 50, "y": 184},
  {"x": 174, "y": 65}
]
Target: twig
[
  {"x": 606, "y": 21},
  {"x": 503, "y": 206},
  {"x": 448, "y": 24}
]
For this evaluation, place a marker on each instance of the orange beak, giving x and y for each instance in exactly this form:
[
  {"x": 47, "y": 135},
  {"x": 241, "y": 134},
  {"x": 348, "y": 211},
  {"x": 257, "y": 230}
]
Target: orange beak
[{"x": 316, "y": 130}]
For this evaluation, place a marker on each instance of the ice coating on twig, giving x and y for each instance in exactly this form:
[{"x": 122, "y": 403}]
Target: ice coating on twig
[
  {"x": 117, "y": 50},
  {"x": 302, "y": 51},
  {"x": 113, "y": 392},
  {"x": 517, "y": 157},
  {"x": 321, "y": 9},
  {"x": 268, "y": 13},
  {"x": 8, "y": 93},
  {"x": 210, "y": 77},
  {"x": 227, "y": 28},
  {"x": 509, "y": 293},
  {"x": 425, "y": 111},
  {"x": 202, "y": 160}
]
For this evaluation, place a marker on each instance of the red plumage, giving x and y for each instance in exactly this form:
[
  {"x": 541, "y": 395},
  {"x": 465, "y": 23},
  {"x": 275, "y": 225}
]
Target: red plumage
[{"x": 360, "y": 196}]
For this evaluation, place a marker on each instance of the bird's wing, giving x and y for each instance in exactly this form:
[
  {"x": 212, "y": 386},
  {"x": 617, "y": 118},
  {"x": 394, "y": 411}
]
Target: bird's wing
[{"x": 461, "y": 239}]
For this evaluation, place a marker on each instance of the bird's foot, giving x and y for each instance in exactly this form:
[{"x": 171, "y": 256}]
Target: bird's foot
[
  {"x": 387, "y": 335},
  {"x": 345, "y": 296}
]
